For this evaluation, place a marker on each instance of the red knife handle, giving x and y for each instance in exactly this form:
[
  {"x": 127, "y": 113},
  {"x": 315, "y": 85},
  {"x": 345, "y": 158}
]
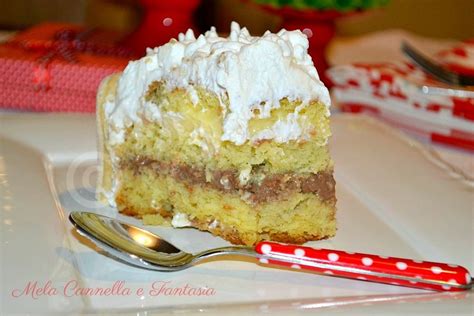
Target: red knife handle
[{"x": 381, "y": 269}]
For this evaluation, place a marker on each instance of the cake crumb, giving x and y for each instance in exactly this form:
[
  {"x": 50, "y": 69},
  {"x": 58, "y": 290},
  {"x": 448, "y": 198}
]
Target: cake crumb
[{"x": 180, "y": 220}]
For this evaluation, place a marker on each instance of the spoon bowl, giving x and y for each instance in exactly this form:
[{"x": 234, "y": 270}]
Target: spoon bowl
[{"x": 141, "y": 248}]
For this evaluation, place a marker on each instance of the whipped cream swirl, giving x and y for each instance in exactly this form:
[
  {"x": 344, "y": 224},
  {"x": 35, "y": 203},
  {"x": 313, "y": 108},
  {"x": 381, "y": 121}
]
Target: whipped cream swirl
[{"x": 244, "y": 71}]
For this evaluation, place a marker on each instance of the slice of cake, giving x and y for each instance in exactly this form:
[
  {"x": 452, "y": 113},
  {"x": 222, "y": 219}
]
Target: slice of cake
[{"x": 227, "y": 135}]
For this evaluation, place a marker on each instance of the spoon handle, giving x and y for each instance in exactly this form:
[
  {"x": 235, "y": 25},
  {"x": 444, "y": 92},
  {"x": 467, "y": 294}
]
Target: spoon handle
[{"x": 380, "y": 269}]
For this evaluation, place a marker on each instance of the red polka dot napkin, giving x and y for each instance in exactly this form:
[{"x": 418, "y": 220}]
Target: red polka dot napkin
[{"x": 390, "y": 91}]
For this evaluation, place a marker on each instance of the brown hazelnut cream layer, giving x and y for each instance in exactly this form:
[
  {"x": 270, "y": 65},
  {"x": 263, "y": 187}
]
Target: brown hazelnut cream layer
[{"x": 260, "y": 188}]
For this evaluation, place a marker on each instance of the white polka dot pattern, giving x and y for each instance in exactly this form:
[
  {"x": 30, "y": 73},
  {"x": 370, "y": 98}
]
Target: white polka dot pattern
[
  {"x": 436, "y": 270},
  {"x": 401, "y": 265},
  {"x": 299, "y": 252},
  {"x": 333, "y": 256},
  {"x": 389, "y": 270},
  {"x": 266, "y": 249},
  {"x": 367, "y": 261}
]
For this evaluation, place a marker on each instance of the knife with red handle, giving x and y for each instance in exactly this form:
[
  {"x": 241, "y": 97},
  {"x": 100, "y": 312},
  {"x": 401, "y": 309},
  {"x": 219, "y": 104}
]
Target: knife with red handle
[{"x": 390, "y": 270}]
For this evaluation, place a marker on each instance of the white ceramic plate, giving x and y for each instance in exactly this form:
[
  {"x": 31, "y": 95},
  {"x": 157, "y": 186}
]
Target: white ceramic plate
[{"x": 392, "y": 200}]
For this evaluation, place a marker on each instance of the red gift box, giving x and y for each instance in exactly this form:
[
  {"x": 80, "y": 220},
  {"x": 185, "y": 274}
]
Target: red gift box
[{"x": 58, "y": 67}]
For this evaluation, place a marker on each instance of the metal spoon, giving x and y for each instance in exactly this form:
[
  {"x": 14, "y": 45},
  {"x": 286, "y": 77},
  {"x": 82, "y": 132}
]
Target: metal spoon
[
  {"x": 143, "y": 249},
  {"x": 139, "y": 247}
]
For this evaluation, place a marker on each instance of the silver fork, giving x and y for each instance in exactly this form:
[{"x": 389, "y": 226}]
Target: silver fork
[{"x": 436, "y": 70}]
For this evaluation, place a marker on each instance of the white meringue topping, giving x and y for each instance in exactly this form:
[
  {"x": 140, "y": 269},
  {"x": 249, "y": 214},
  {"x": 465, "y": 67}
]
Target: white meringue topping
[{"x": 245, "y": 72}]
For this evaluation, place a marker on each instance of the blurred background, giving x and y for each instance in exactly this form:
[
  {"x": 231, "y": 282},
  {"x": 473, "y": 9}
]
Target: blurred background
[{"x": 434, "y": 18}]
